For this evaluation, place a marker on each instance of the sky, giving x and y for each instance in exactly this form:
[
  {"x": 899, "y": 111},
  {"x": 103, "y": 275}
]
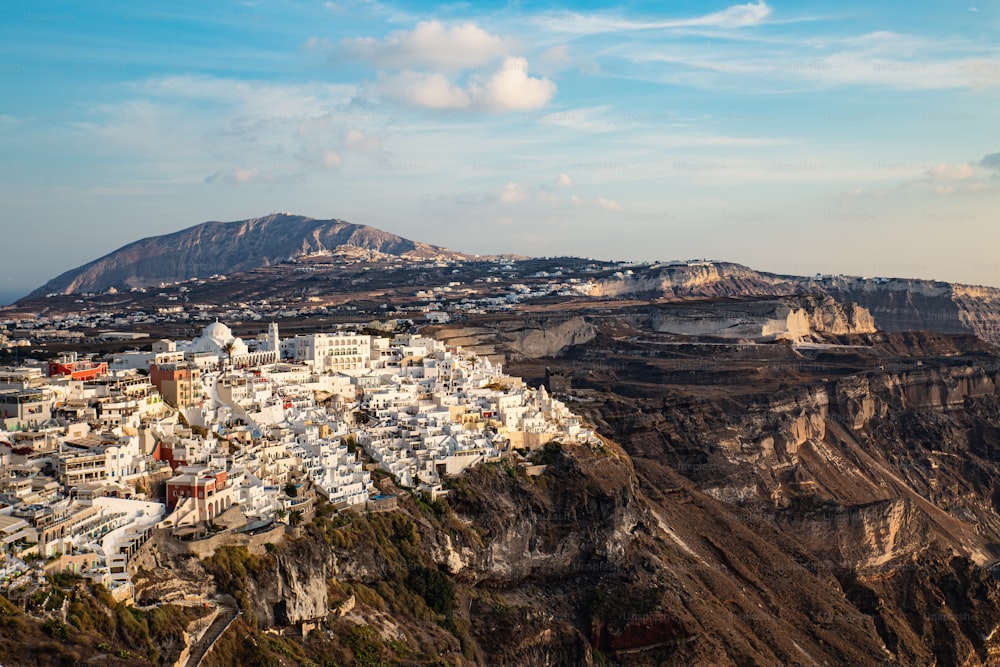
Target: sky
[{"x": 794, "y": 137}]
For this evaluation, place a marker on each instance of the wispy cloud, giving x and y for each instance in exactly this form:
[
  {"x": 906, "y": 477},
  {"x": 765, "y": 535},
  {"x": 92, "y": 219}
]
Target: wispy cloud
[
  {"x": 234, "y": 176},
  {"x": 572, "y": 23},
  {"x": 883, "y": 59},
  {"x": 943, "y": 179}
]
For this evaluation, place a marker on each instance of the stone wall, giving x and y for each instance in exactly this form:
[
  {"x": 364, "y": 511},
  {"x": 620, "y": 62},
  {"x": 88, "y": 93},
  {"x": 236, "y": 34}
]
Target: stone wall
[{"x": 255, "y": 543}]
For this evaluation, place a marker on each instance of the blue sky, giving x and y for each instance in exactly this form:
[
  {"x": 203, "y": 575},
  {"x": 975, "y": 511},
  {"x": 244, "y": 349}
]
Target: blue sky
[{"x": 795, "y": 137}]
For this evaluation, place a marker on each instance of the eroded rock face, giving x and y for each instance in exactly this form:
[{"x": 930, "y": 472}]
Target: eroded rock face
[
  {"x": 895, "y": 304},
  {"x": 293, "y": 588},
  {"x": 886, "y": 479},
  {"x": 762, "y": 320},
  {"x": 709, "y": 279},
  {"x": 519, "y": 337}
]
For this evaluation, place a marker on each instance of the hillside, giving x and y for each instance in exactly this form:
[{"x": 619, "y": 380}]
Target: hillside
[{"x": 227, "y": 247}]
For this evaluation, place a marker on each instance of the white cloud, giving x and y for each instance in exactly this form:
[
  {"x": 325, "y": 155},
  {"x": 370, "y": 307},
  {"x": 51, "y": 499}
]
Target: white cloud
[
  {"x": 564, "y": 180},
  {"x": 428, "y": 90},
  {"x": 942, "y": 179},
  {"x": 884, "y": 59},
  {"x": 317, "y": 43},
  {"x": 736, "y": 16},
  {"x": 555, "y": 58},
  {"x": 952, "y": 172},
  {"x": 430, "y": 44},
  {"x": 511, "y": 89},
  {"x": 600, "y": 202},
  {"x": 590, "y": 119},
  {"x": 360, "y": 140},
  {"x": 513, "y": 193},
  {"x": 332, "y": 159},
  {"x": 356, "y": 8},
  {"x": 234, "y": 176},
  {"x": 251, "y": 98}
]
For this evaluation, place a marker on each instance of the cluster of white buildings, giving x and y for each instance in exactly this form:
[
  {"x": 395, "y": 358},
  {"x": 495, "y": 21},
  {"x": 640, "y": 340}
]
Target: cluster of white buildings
[
  {"x": 420, "y": 410},
  {"x": 265, "y": 425}
]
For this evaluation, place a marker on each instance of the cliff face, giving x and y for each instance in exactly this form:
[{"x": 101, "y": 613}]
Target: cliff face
[
  {"x": 292, "y": 587},
  {"x": 849, "y": 521},
  {"x": 696, "y": 280},
  {"x": 519, "y": 337},
  {"x": 887, "y": 480},
  {"x": 227, "y": 247},
  {"x": 789, "y": 318},
  {"x": 894, "y": 304}
]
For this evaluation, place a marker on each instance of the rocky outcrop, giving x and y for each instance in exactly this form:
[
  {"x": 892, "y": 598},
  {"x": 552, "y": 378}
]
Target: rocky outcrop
[
  {"x": 895, "y": 304},
  {"x": 698, "y": 279},
  {"x": 292, "y": 587},
  {"x": 789, "y": 318},
  {"x": 519, "y": 337}
]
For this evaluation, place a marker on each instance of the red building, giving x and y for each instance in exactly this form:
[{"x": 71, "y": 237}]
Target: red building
[
  {"x": 208, "y": 490},
  {"x": 69, "y": 366},
  {"x": 174, "y": 455}
]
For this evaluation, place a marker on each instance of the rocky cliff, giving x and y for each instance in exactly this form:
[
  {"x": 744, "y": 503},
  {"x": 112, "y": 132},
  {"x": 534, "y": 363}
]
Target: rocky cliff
[
  {"x": 702, "y": 279},
  {"x": 895, "y": 304},
  {"x": 519, "y": 337},
  {"x": 846, "y": 521},
  {"x": 226, "y": 247},
  {"x": 788, "y": 318},
  {"x": 774, "y": 531},
  {"x": 887, "y": 480}
]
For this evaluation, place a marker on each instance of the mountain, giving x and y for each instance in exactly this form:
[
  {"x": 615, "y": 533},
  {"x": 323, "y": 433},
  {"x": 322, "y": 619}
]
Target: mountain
[
  {"x": 226, "y": 247},
  {"x": 230, "y": 248}
]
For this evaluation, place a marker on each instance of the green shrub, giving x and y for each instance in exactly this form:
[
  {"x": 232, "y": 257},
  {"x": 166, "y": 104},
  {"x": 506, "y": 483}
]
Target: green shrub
[
  {"x": 435, "y": 587},
  {"x": 56, "y": 629}
]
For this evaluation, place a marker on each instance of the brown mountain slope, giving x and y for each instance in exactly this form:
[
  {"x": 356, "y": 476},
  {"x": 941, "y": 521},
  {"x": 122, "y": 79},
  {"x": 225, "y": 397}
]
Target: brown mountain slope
[{"x": 225, "y": 247}]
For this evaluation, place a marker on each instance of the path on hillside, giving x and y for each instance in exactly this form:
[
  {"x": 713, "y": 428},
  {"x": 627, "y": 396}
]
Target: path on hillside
[{"x": 228, "y": 612}]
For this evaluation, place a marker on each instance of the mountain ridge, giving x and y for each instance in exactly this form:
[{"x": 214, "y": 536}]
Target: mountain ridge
[
  {"x": 216, "y": 247},
  {"x": 229, "y": 248}
]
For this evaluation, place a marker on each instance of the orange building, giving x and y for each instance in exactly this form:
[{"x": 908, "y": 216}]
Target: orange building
[{"x": 179, "y": 384}]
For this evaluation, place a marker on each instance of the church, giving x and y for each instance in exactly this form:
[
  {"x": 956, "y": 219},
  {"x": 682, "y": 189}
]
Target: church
[{"x": 217, "y": 340}]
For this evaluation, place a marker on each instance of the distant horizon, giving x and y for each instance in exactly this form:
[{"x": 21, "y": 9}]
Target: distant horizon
[
  {"x": 9, "y": 296},
  {"x": 796, "y": 135}
]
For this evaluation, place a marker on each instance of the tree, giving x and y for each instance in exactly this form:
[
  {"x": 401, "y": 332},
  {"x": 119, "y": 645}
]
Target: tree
[
  {"x": 295, "y": 518},
  {"x": 291, "y": 490},
  {"x": 228, "y": 349}
]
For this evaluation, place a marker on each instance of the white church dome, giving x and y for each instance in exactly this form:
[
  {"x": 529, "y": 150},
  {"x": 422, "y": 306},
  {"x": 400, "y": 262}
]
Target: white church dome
[{"x": 219, "y": 332}]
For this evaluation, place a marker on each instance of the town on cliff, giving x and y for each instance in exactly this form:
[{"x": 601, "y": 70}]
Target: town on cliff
[{"x": 219, "y": 434}]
